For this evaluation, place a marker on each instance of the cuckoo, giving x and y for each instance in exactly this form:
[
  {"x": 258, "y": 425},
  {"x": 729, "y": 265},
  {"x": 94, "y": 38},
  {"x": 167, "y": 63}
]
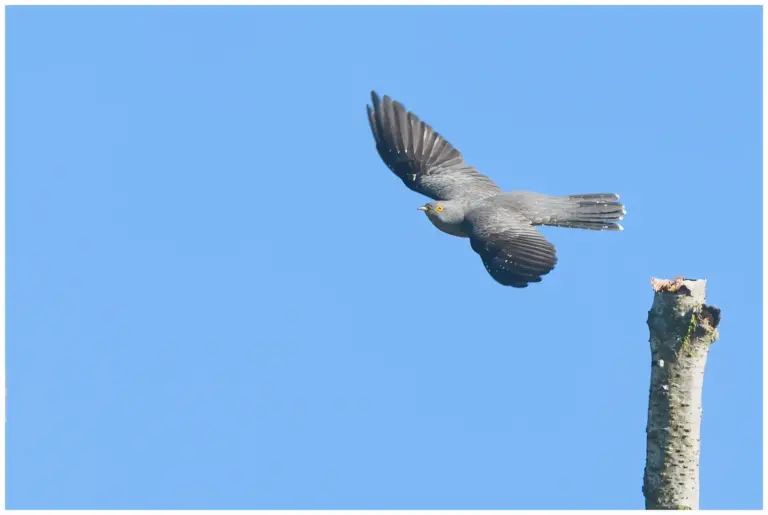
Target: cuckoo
[{"x": 500, "y": 226}]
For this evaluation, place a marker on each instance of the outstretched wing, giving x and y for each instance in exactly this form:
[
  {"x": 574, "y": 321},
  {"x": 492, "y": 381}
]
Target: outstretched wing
[
  {"x": 423, "y": 159},
  {"x": 513, "y": 251}
]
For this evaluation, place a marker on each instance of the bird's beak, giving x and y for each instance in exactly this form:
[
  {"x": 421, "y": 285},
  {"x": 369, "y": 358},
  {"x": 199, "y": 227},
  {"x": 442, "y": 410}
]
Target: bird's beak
[{"x": 423, "y": 208}]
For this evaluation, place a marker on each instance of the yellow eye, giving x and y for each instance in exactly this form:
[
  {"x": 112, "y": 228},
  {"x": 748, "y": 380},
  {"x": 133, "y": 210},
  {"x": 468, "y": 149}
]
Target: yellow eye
[{"x": 439, "y": 208}]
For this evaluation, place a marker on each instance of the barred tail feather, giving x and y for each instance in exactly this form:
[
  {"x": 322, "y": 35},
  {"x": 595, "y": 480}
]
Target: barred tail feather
[{"x": 593, "y": 211}]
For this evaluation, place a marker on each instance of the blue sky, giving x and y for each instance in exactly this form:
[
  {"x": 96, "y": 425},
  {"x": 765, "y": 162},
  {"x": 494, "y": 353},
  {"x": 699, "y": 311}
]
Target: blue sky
[{"x": 219, "y": 297}]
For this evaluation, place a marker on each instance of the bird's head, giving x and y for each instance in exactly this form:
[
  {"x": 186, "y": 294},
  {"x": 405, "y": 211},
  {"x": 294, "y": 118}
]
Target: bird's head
[{"x": 446, "y": 212}]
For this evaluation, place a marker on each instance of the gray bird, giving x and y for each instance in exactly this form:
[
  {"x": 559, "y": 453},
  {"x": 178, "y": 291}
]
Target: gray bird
[{"x": 500, "y": 226}]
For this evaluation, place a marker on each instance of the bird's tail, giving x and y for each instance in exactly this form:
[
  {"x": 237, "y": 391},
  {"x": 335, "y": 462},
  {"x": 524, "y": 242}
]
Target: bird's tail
[{"x": 594, "y": 211}]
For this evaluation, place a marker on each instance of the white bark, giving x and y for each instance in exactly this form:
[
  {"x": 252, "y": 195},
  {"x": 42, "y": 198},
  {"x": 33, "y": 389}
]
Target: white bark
[{"x": 682, "y": 328}]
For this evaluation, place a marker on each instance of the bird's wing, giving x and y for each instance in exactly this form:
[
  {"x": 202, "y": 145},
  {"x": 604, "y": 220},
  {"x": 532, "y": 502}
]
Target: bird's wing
[
  {"x": 512, "y": 250},
  {"x": 423, "y": 159}
]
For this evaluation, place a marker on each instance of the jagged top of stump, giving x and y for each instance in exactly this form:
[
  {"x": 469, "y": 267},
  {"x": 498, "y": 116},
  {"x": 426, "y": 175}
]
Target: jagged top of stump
[{"x": 680, "y": 286}]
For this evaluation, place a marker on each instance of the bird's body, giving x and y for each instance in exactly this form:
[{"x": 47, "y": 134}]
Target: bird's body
[
  {"x": 454, "y": 229},
  {"x": 500, "y": 225}
]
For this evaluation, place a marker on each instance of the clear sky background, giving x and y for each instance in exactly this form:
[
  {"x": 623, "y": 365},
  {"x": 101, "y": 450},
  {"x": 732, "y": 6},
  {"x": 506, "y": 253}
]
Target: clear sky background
[{"x": 219, "y": 297}]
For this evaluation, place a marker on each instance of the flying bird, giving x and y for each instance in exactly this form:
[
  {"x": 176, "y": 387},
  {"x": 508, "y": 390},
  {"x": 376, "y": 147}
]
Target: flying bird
[{"x": 501, "y": 226}]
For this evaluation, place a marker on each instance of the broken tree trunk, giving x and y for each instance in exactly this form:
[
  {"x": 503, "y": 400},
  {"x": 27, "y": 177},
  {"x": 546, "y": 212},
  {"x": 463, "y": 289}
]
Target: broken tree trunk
[{"x": 682, "y": 328}]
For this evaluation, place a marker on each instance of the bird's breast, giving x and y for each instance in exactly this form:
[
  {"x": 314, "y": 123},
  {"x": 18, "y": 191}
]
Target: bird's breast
[{"x": 452, "y": 229}]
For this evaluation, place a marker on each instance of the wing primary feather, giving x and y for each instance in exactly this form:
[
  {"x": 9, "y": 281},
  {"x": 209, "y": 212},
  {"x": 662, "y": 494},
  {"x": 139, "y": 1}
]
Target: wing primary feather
[
  {"x": 413, "y": 123},
  {"x": 403, "y": 127},
  {"x": 372, "y": 122}
]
